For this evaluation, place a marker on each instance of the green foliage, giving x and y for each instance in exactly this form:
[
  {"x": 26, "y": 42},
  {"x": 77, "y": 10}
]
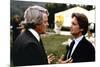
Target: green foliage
[{"x": 53, "y": 44}]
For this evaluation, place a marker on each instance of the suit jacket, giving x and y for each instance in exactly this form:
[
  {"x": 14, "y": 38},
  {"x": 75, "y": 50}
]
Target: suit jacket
[
  {"x": 84, "y": 52},
  {"x": 28, "y": 51}
]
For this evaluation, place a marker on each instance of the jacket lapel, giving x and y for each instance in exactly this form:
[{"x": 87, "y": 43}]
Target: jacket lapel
[{"x": 78, "y": 47}]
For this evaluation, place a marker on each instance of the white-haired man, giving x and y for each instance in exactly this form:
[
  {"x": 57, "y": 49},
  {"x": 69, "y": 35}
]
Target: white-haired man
[{"x": 28, "y": 48}]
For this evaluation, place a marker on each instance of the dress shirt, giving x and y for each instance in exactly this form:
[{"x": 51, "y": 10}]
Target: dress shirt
[
  {"x": 77, "y": 40},
  {"x": 35, "y": 34}
]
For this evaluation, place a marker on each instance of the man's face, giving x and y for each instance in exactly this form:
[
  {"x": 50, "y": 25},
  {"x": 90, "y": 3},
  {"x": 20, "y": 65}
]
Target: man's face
[
  {"x": 75, "y": 29},
  {"x": 42, "y": 28}
]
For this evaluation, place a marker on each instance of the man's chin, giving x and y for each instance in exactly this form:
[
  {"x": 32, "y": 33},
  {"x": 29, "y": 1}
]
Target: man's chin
[
  {"x": 72, "y": 33},
  {"x": 43, "y": 32}
]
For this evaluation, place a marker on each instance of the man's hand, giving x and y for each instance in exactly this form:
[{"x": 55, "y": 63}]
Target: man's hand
[
  {"x": 51, "y": 57},
  {"x": 70, "y": 60}
]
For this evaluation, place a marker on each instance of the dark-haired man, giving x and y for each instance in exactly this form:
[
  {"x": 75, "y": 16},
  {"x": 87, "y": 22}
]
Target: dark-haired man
[{"x": 80, "y": 50}]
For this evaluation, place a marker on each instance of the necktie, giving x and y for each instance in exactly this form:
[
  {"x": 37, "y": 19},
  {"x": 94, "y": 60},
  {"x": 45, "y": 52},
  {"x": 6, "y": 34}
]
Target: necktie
[{"x": 70, "y": 48}]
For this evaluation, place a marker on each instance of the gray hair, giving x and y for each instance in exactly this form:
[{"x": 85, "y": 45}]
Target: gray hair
[{"x": 34, "y": 14}]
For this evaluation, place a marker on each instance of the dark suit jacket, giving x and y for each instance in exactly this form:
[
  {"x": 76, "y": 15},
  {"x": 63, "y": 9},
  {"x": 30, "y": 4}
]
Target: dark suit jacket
[
  {"x": 28, "y": 51},
  {"x": 84, "y": 52}
]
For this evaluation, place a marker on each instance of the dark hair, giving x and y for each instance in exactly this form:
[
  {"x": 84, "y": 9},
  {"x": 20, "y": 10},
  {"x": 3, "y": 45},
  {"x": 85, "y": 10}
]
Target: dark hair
[{"x": 82, "y": 21}]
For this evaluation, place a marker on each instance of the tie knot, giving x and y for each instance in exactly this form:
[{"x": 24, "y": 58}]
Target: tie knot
[{"x": 73, "y": 42}]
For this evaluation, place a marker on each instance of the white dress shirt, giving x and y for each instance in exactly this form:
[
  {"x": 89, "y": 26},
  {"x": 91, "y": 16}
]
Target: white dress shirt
[
  {"x": 35, "y": 34},
  {"x": 77, "y": 40}
]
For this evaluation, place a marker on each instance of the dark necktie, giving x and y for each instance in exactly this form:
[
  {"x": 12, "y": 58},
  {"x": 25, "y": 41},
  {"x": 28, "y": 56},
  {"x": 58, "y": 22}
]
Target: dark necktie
[{"x": 70, "y": 48}]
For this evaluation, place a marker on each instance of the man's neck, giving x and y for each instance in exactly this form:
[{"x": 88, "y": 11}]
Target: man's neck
[
  {"x": 35, "y": 33},
  {"x": 76, "y": 36}
]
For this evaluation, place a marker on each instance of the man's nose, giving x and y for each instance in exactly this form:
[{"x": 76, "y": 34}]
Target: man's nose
[{"x": 71, "y": 26}]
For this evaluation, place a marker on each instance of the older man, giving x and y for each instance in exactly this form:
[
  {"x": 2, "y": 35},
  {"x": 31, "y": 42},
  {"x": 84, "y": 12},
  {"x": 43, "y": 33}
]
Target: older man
[{"x": 28, "y": 48}]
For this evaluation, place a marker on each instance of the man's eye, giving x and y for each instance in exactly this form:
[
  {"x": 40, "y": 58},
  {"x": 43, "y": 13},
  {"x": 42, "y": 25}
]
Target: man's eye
[{"x": 74, "y": 24}]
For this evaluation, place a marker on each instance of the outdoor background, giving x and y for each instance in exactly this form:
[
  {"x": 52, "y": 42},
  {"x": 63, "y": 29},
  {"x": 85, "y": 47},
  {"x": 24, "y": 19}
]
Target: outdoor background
[{"x": 53, "y": 42}]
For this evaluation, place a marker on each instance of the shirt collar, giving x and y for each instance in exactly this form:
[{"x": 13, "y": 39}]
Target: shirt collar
[
  {"x": 35, "y": 34},
  {"x": 77, "y": 40}
]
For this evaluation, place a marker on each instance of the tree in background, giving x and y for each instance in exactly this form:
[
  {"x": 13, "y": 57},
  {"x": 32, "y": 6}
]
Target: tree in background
[
  {"x": 54, "y": 8},
  {"x": 18, "y": 7}
]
